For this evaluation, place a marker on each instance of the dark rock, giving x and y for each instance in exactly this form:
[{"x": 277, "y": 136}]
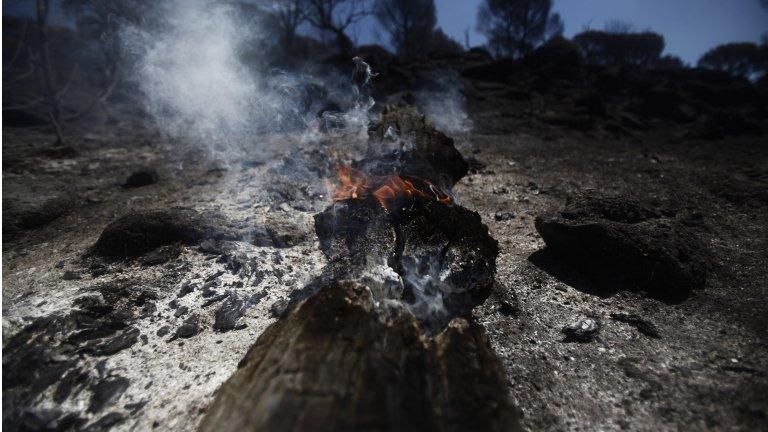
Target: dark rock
[
  {"x": 214, "y": 299},
  {"x": 228, "y": 315},
  {"x": 208, "y": 289},
  {"x": 504, "y": 216},
  {"x": 139, "y": 232},
  {"x": 181, "y": 311},
  {"x": 582, "y": 330},
  {"x": 106, "y": 392},
  {"x": 189, "y": 328},
  {"x": 164, "y": 330},
  {"x": 141, "y": 178},
  {"x": 70, "y": 275},
  {"x": 214, "y": 276},
  {"x": 185, "y": 289},
  {"x": 620, "y": 244},
  {"x": 256, "y": 298},
  {"x": 643, "y": 326},
  {"x": 21, "y": 216},
  {"x": 133, "y": 408},
  {"x": 125, "y": 339}
]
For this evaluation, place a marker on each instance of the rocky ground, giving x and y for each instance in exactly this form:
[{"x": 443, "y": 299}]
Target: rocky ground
[{"x": 97, "y": 334}]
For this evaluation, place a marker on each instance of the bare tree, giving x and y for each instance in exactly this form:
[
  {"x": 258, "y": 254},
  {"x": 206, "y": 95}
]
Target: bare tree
[
  {"x": 516, "y": 27},
  {"x": 335, "y": 17},
  {"x": 100, "y": 21},
  {"x": 43, "y": 7},
  {"x": 410, "y": 24},
  {"x": 287, "y": 16}
]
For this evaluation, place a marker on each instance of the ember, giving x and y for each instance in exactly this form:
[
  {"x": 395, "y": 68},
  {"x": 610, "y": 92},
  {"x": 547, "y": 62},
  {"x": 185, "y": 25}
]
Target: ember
[{"x": 387, "y": 189}]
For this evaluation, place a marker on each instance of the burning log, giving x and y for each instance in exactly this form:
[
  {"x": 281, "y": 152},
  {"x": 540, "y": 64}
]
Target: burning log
[
  {"x": 335, "y": 363},
  {"x": 383, "y": 339},
  {"x": 424, "y": 152},
  {"x": 387, "y": 189},
  {"x": 443, "y": 254}
]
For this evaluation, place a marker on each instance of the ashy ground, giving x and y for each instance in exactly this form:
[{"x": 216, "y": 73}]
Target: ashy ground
[{"x": 177, "y": 338}]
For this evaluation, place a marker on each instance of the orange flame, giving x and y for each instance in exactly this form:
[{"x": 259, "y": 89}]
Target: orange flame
[{"x": 387, "y": 190}]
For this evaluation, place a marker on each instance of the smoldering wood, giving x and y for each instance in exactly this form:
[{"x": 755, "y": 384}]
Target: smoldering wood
[
  {"x": 335, "y": 363},
  {"x": 427, "y": 153},
  {"x": 358, "y": 235},
  {"x": 358, "y": 350}
]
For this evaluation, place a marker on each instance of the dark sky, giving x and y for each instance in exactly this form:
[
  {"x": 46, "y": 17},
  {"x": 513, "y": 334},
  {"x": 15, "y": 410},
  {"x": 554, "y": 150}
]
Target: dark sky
[{"x": 690, "y": 27}]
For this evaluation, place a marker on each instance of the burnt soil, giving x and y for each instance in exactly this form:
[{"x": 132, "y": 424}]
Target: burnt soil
[{"x": 174, "y": 323}]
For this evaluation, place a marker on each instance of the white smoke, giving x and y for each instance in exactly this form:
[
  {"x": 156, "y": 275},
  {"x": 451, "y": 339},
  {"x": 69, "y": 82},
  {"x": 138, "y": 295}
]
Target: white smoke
[
  {"x": 189, "y": 66},
  {"x": 429, "y": 286},
  {"x": 189, "y": 70},
  {"x": 444, "y": 105}
]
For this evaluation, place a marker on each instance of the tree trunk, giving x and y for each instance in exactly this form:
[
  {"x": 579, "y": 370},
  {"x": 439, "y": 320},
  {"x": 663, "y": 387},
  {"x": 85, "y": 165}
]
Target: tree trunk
[
  {"x": 346, "y": 47},
  {"x": 45, "y": 60}
]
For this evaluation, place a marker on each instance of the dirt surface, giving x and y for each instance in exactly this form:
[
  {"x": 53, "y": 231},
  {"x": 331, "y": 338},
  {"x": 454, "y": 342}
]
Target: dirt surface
[{"x": 159, "y": 365}]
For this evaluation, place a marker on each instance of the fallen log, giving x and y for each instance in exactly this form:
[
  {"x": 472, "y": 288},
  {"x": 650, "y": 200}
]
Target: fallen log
[{"x": 340, "y": 361}]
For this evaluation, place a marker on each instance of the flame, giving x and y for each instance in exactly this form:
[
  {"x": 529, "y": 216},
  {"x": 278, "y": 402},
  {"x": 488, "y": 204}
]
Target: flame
[{"x": 388, "y": 190}]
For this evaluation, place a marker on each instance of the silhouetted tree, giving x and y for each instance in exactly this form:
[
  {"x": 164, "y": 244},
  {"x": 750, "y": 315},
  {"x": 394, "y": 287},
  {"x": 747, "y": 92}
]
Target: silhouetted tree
[
  {"x": 335, "y": 17},
  {"x": 516, "y": 27},
  {"x": 639, "y": 49},
  {"x": 739, "y": 59},
  {"x": 618, "y": 26},
  {"x": 441, "y": 42},
  {"x": 285, "y": 17},
  {"x": 409, "y": 23},
  {"x": 669, "y": 61}
]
